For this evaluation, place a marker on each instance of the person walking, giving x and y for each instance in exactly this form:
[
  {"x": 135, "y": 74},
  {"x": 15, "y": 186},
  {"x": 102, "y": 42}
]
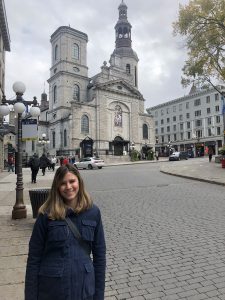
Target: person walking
[
  {"x": 67, "y": 231},
  {"x": 44, "y": 163},
  {"x": 11, "y": 164},
  {"x": 53, "y": 162},
  {"x": 34, "y": 164},
  {"x": 210, "y": 153}
]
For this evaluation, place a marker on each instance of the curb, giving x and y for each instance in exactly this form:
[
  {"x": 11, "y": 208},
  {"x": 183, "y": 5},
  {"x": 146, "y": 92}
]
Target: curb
[{"x": 193, "y": 178}]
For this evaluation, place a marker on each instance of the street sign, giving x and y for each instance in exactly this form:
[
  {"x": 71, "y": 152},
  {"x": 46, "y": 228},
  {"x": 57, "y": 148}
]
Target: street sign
[{"x": 29, "y": 129}]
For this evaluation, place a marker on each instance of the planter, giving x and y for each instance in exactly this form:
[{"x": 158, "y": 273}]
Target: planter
[
  {"x": 37, "y": 198},
  {"x": 223, "y": 162}
]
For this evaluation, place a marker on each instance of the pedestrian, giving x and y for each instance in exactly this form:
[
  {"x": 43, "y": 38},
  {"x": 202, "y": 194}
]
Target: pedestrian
[
  {"x": 53, "y": 162},
  {"x": 157, "y": 155},
  {"x": 210, "y": 153},
  {"x": 59, "y": 265},
  {"x": 44, "y": 163},
  {"x": 65, "y": 161},
  {"x": 34, "y": 164},
  {"x": 11, "y": 163}
]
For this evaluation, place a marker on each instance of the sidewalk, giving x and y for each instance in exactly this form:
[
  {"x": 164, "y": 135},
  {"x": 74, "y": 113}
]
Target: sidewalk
[{"x": 15, "y": 234}]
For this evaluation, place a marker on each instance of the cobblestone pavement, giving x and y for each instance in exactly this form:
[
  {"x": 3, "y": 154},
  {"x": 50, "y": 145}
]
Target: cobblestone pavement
[{"x": 165, "y": 236}]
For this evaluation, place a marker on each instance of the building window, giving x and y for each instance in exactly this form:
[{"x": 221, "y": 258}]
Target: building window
[
  {"x": 118, "y": 116},
  {"x": 168, "y": 129},
  {"x": 217, "y": 119},
  {"x": 156, "y": 123},
  {"x": 217, "y": 108},
  {"x": 162, "y": 130},
  {"x": 162, "y": 137},
  {"x": 197, "y": 113},
  {"x": 53, "y": 139},
  {"x": 168, "y": 138},
  {"x": 168, "y": 110},
  {"x": 128, "y": 68},
  {"x": 188, "y": 135},
  {"x": 208, "y": 110},
  {"x": 168, "y": 120},
  {"x": 76, "y": 93},
  {"x": 75, "y": 51},
  {"x": 208, "y": 99},
  {"x": 175, "y": 137},
  {"x": 198, "y": 133},
  {"x": 197, "y": 102},
  {"x": 218, "y": 131},
  {"x": 56, "y": 52},
  {"x": 181, "y": 117},
  {"x": 162, "y": 112},
  {"x": 65, "y": 138},
  {"x": 188, "y": 115},
  {"x": 216, "y": 97},
  {"x": 188, "y": 125},
  {"x": 209, "y": 132},
  {"x": 85, "y": 124},
  {"x": 156, "y": 131},
  {"x": 162, "y": 121},
  {"x": 181, "y": 136},
  {"x": 181, "y": 126},
  {"x": 174, "y": 127},
  {"x": 174, "y": 118},
  {"x": 174, "y": 108},
  {"x": 198, "y": 123},
  {"x": 209, "y": 121},
  {"x": 55, "y": 94},
  {"x": 180, "y": 107},
  {"x": 145, "y": 131},
  {"x": 187, "y": 105}
]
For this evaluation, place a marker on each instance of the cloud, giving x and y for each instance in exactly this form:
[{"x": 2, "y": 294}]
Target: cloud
[{"x": 31, "y": 24}]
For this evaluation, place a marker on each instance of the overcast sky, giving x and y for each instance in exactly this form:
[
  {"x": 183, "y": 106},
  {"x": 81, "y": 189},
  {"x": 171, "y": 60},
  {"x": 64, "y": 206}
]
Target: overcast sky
[{"x": 161, "y": 55}]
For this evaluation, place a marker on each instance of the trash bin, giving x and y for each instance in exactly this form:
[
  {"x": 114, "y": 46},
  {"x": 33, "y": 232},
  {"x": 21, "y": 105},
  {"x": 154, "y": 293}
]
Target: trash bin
[{"x": 37, "y": 198}]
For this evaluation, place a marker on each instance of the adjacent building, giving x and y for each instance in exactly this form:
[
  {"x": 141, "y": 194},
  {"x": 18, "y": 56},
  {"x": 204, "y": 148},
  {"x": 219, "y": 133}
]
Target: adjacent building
[
  {"x": 4, "y": 46},
  {"x": 102, "y": 115},
  {"x": 190, "y": 123}
]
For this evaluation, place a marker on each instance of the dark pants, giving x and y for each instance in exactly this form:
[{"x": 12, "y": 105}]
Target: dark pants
[
  {"x": 43, "y": 170},
  {"x": 210, "y": 157},
  {"x": 34, "y": 175}
]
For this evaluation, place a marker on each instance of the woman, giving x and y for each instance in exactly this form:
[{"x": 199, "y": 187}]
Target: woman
[{"x": 58, "y": 266}]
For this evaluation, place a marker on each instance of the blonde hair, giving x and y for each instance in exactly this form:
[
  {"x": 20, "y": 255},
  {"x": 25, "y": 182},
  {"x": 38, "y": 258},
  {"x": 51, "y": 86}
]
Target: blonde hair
[{"x": 55, "y": 206}]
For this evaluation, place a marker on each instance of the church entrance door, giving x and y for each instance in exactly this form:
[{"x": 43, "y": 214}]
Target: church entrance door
[{"x": 119, "y": 144}]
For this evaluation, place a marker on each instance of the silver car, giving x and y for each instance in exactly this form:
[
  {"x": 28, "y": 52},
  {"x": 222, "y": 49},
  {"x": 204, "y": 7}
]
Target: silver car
[{"x": 89, "y": 163}]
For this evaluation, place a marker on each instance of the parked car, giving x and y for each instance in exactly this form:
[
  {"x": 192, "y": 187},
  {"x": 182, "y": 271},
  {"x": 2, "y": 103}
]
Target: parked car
[
  {"x": 89, "y": 163},
  {"x": 178, "y": 155}
]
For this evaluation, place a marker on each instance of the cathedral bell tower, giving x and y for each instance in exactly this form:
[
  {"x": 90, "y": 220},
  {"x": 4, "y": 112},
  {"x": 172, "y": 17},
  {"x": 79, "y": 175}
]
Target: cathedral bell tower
[
  {"x": 124, "y": 60},
  {"x": 123, "y": 28}
]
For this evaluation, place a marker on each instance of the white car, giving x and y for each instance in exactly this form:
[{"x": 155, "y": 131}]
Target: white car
[{"x": 89, "y": 163}]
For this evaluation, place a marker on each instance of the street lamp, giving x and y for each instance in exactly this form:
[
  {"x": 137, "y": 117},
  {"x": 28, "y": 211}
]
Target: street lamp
[
  {"x": 19, "y": 209},
  {"x": 43, "y": 141}
]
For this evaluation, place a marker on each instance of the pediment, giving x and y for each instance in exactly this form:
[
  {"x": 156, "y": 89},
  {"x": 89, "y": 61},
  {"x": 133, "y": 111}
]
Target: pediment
[{"x": 120, "y": 87}]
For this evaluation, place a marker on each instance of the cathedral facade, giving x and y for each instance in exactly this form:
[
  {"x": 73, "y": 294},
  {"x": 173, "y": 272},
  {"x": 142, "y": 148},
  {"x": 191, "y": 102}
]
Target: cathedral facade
[{"x": 102, "y": 115}]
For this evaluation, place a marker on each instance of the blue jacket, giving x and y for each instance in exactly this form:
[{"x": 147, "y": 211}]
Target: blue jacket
[{"x": 58, "y": 267}]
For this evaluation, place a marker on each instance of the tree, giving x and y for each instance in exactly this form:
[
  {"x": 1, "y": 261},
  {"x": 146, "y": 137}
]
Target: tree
[{"x": 202, "y": 23}]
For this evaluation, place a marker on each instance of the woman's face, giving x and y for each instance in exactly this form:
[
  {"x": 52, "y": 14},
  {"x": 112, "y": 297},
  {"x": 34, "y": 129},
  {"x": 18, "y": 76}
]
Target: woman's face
[{"x": 69, "y": 189}]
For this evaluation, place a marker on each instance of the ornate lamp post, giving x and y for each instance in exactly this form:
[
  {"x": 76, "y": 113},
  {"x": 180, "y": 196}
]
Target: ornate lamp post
[
  {"x": 43, "y": 141},
  {"x": 19, "y": 209}
]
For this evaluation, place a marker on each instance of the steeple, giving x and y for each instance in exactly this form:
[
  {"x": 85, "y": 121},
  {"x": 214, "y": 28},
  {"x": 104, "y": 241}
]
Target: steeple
[{"x": 123, "y": 28}]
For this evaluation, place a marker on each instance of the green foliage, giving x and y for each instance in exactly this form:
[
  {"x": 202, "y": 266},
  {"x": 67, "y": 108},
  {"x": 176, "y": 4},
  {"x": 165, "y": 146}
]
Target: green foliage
[
  {"x": 134, "y": 155},
  {"x": 202, "y": 23},
  {"x": 150, "y": 155},
  {"x": 222, "y": 150}
]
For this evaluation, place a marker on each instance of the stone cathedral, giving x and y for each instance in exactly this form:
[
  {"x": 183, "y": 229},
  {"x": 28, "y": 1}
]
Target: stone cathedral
[{"x": 103, "y": 115}]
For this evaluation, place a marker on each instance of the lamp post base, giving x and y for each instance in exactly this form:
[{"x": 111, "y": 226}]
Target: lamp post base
[{"x": 19, "y": 212}]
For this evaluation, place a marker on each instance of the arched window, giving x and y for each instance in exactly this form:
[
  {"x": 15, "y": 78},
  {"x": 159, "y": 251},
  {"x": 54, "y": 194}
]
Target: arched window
[
  {"x": 54, "y": 93},
  {"x": 65, "y": 138},
  {"x": 118, "y": 116},
  {"x": 76, "y": 93},
  {"x": 56, "y": 52},
  {"x": 85, "y": 124},
  {"x": 125, "y": 32},
  {"x": 120, "y": 32},
  {"x": 75, "y": 51},
  {"x": 145, "y": 131},
  {"x": 128, "y": 68},
  {"x": 53, "y": 139}
]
